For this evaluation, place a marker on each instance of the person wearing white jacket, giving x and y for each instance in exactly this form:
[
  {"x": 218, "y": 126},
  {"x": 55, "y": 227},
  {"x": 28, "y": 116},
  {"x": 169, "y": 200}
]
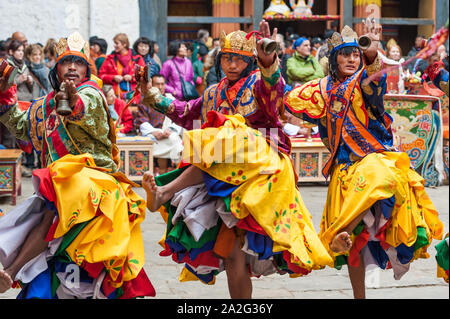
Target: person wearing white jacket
[{"x": 167, "y": 138}]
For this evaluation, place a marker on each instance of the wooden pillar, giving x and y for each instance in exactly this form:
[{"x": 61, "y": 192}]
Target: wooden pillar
[
  {"x": 153, "y": 23},
  {"x": 248, "y": 12},
  {"x": 332, "y": 9},
  {"x": 225, "y": 8}
]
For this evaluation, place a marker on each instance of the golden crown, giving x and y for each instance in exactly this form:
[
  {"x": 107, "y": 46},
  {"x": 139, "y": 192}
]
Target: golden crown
[
  {"x": 238, "y": 42},
  {"x": 73, "y": 45},
  {"x": 347, "y": 37}
]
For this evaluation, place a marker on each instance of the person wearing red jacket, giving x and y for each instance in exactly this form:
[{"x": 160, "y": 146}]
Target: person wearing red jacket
[
  {"x": 116, "y": 107},
  {"x": 118, "y": 68}
]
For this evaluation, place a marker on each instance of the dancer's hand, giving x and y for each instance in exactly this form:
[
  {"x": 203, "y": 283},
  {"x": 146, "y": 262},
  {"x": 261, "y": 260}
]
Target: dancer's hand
[
  {"x": 373, "y": 31},
  {"x": 265, "y": 59},
  {"x": 69, "y": 93}
]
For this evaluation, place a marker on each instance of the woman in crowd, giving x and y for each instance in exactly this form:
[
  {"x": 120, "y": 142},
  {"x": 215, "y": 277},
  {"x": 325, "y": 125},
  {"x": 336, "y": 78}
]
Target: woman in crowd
[
  {"x": 302, "y": 67},
  {"x": 176, "y": 68},
  {"x": 118, "y": 68},
  {"x": 143, "y": 47},
  {"x": 35, "y": 62}
]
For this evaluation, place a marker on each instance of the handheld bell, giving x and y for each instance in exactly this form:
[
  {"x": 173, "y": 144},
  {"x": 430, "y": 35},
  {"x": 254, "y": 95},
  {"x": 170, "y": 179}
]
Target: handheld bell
[
  {"x": 364, "y": 42},
  {"x": 63, "y": 107},
  {"x": 269, "y": 46}
]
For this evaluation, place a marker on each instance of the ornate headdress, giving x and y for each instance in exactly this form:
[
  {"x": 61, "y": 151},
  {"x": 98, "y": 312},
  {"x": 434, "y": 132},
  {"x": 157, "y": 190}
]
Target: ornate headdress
[
  {"x": 238, "y": 42},
  {"x": 347, "y": 38},
  {"x": 73, "y": 45}
]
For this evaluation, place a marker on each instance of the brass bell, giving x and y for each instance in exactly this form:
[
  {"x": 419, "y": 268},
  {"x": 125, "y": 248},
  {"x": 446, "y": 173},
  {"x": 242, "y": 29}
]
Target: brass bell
[
  {"x": 63, "y": 108},
  {"x": 269, "y": 46},
  {"x": 364, "y": 42}
]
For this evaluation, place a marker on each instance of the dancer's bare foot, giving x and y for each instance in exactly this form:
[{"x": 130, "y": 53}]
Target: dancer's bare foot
[
  {"x": 341, "y": 243},
  {"x": 5, "y": 281},
  {"x": 156, "y": 195}
]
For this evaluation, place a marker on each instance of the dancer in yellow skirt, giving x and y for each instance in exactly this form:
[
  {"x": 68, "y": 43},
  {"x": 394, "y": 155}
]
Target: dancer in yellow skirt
[
  {"x": 79, "y": 236},
  {"x": 235, "y": 206},
  {"x": 377, "y": 211}
]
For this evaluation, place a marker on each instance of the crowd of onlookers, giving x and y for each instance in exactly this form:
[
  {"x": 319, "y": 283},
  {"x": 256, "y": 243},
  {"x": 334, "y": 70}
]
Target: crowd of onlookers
[{"x": 302, "y": 59}]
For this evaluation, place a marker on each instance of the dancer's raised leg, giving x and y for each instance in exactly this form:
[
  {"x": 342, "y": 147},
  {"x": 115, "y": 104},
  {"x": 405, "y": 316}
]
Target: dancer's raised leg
[{"x": 158, "y": 195}]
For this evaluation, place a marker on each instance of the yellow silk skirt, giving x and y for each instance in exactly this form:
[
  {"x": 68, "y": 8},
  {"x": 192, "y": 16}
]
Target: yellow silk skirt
[
  {"x": 113, "y": 235},
  {"x": 380, "y": 176},
  {"x": 240, "y": 155}
]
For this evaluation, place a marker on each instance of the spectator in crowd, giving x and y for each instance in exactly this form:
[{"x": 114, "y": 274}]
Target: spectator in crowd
[
  {"x": 177, "y": 67},
  {"x": 116, "y": 107},
  {"x": 20, "y": 36},
  {"x": 27, "y": 88},
  {"x": 118, "y": 68},
  {"x": 35, "y": 61},
  {"x": 155, "y": 49},
  {"x": 197, "y": 67},
  {"x": 302, "y": 67},
  {"x": 282, "y": 56},
  {"x": 50, "y": 53},
  {"x": 27, "y": 91},
  {"x": 289, "y": 44},
  {"x": 98, "y": 49},
  {"x": 215, "y": 43},
  {"x": 395, "y": 79},
  {"x": 316, "y": 43},
  {"x": 211, "y": 71},
  {"x": 189, "y": 50},
  {"x": 417, "y": 64},
  {"x": 323, "y": 50},
  {"x": 443, "y": 55},
  {"x": 3, "y": 51},
  {"x": 202, "y": 38},
  {"x": 143, "y": 47},
  {"x": 166, "y": 135}
]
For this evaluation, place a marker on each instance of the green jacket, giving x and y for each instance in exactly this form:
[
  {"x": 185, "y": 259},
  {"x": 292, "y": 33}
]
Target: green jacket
[{"x": 303, "y": 70}]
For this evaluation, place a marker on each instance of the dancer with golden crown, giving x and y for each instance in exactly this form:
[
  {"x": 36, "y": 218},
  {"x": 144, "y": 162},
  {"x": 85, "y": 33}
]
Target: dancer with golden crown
[
  {"x": 79, "y": 236},
  {"x": 239, "y": 211},
  {"x": 377, "y": 211}
]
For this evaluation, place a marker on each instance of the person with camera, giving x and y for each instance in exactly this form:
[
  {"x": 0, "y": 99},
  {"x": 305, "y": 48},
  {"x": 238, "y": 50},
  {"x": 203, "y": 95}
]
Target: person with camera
[{"x": 84, "y": 217}]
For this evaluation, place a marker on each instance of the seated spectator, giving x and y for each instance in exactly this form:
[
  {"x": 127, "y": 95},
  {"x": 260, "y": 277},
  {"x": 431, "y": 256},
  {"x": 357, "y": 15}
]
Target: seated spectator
[
  {"x": 118, "y": 68},
  {"x": 417, "y": 65},
  {"x": 166, "y": 134},
  {"x": 143, "y": 47},
  {"x": 302, "y": 67},
  {"x": 177, "y": 67},
  {"x": 116, "y": 106}
]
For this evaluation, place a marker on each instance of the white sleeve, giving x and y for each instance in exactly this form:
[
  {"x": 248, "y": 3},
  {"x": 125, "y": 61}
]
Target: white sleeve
[{"x": 146, "y": 129}]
